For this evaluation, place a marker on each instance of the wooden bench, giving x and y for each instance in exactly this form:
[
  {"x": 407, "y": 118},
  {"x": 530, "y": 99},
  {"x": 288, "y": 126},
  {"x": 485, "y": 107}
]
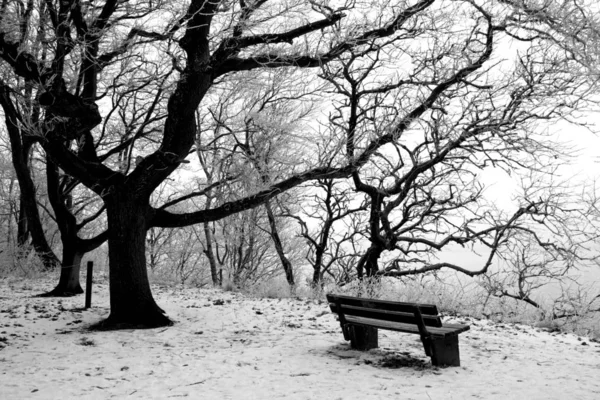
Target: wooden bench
[{"x": 360, "y": 318}]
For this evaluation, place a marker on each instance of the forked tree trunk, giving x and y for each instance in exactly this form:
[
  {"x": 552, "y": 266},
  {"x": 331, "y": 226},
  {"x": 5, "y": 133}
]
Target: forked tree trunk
[{"x": 131, "y": 301}]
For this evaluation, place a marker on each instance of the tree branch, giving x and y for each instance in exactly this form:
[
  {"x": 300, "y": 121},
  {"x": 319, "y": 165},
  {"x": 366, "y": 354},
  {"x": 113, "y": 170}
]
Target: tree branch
[
  {"x": 234, "y": 64},
  {"x": 166, "y": 219}
]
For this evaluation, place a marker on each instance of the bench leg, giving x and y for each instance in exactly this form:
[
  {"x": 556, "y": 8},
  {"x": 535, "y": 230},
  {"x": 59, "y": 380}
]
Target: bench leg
[
  {"x": 362, "y": 337},
  {"x": 444, "y": 351}
]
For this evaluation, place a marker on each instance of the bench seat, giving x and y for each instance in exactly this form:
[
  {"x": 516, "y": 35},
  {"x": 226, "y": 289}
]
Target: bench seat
[{"x": 445, "y": 330}]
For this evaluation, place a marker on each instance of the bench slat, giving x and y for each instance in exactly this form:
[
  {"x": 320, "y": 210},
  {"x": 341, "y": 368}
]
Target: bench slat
[
  {"x": 387, "y": 315},
  {"x": 426, "y": 309},
  {"x": 446, "y": 330}
]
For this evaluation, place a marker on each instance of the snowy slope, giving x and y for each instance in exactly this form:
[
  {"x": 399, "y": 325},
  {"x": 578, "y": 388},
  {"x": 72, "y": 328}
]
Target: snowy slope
[{"x": 227, "y": 346}]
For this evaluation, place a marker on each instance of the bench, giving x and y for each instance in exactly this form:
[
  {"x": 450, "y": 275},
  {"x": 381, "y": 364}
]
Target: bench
[{"x": 360, "y": 318}]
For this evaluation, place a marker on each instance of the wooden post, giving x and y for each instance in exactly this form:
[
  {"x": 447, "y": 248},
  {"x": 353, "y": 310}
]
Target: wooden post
[{"x": 88, "y": 284}]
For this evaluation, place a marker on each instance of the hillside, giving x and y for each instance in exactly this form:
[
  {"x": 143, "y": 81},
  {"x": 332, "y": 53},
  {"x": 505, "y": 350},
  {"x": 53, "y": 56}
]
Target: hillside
[{"x": 225, "y": 345}]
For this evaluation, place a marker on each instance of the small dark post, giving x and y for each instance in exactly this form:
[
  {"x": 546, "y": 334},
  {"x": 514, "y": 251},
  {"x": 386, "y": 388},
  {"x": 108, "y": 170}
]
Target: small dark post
[
  {"x": 88, "y": 284},
  {"x": 220, "y": 277}
]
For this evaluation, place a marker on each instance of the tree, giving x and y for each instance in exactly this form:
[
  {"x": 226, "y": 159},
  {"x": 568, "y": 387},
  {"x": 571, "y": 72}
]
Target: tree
[
  {"x": 74, "y": 247},
  {"x": 215, "y": 170},
  {"x": 550, "y": 248},
  {"x": 244, "y": 248},
  {"x": 327, "y": 246},
  {"x": 201, "y": 45},
  {"x": 26, "y": 110},
  {"x": 29, "y": 222},
  {"x": 422, "y": 189},
  {"x": 59, "y": 190},
  {"x": 571, "y": 25},
  {"x": 9, "y": 209},
  {"x": 263, "y": 140}
]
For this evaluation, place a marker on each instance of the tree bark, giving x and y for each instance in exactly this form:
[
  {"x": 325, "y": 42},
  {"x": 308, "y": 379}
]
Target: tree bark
[
  {"x": 38, "y": 237},
  {"x": 209, "y": 251},
  {"x": 369, "y": 263},
  {"x": 131, "y": 302},
  {"x": 208, "y": 235},
  {"x": 317, "y": 279},
  {"x": 372, "y": 261},
  {"x": 318, "y": 271},
  {"x": 22, "y": 230},
  {"x": 285, "y": 262},
  {"x": 68, "y": 283}
]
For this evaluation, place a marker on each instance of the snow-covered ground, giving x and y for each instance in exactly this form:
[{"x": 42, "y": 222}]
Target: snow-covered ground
[{"x": 228, "y": 346}]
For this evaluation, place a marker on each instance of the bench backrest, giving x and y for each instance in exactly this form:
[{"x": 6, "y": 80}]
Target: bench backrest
[{"x": 385, "y": 310}]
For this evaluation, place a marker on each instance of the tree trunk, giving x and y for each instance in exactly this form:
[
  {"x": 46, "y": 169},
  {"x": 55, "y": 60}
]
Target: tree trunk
[
  {"x": 372, "y": 261},
  {"x": 317, "y": 277},
  {"x": 317, "y": 280},
  {"x": 209, "y": 251},
  {"x": 131, "y": 301},
  {"x": 285, "y": 262},
  {"x": 68, "y": 283},
  {"x": 211, "y": 255},
  {"x": 22, "y": 230},
  {"x": 35, "y": 228},
  {"x": 369, "y": 263}
]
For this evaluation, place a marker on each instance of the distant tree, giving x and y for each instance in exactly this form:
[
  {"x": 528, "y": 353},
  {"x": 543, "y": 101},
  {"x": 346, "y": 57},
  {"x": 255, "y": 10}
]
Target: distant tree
[
  {"x": 249, "y": 140},
  {"x": 327, "y": 243},
  {"x": 9, "y": 193},
  {"x": 216, "y": 171},
  {"x": 549, "y": 249}
]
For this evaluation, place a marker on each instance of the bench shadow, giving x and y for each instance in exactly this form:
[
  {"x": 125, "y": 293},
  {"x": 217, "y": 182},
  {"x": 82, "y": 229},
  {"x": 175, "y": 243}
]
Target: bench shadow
[
  {"x": 399, "y": 360},
  {"x": 384, "y": 358}
]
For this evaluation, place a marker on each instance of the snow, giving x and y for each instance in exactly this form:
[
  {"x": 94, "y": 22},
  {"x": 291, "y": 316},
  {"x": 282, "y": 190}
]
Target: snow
[{"x": 225, "y": 345}]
